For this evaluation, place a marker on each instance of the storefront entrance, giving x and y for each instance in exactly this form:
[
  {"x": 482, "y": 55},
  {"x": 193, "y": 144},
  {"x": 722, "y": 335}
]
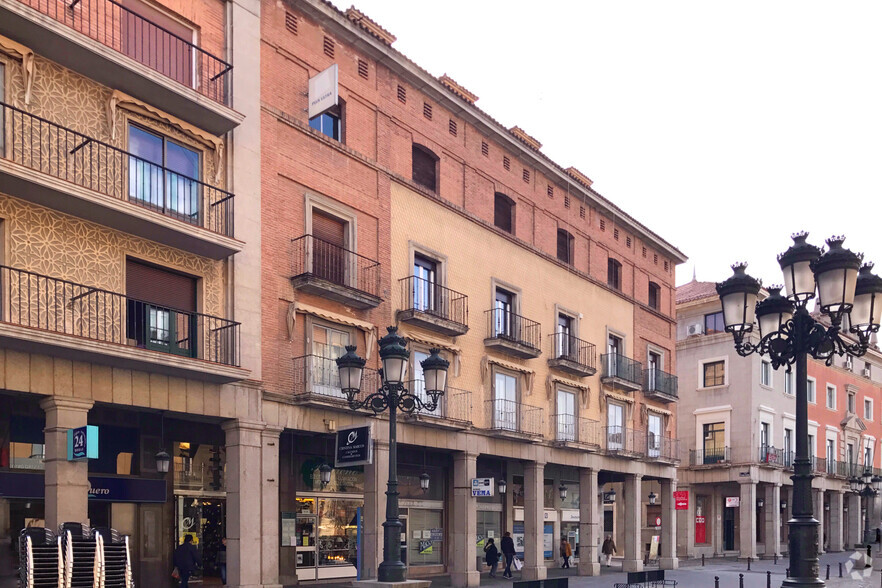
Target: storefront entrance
[
  {"x": 204, "y": 518},
  {"x": 728, "y": 528},
  {"x": 326, "y": 536}
]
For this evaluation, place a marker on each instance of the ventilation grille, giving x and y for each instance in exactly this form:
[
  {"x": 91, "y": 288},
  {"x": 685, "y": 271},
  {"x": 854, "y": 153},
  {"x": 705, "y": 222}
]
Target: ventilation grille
[
  {"x": 363, "y": 68},
  {"x": 667, "y": 266},
  {"x": 291, "y": 23},
  {"x": 655, "y": 258},
  {"x": 581, "y": 212},
  {"x": 485, "y": 149},
  {"x": 628, "y": 242},
  {"x": 402, "y": 94},
  {"x": 602, "y": 224},
  {"x": 616, "y": 234},
  {"x": 451, "y": 127},
  {"x": 644, "y": 252},
  {"x": 427, "y": 110},
  {"x": 550, "y": 191},
  {"x": 526, "y": 175},
  {"x": 506, "y": 162},
  {"x": 329, "y": 47},
  {"x": 567, "y": 201}
]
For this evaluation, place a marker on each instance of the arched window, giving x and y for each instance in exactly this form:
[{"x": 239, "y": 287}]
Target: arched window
[
  {"x": 503, "y": 212},
  {"x": 654, "y": 295},
  {"x": 614, "y": 274},
  {"x": 564, "y": 246},
  {"x": 425, "y": 166}
]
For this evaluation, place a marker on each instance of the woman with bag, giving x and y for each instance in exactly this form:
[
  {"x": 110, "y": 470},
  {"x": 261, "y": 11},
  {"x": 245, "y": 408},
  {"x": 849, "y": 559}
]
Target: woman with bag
[
  {"x": 508, "y": 551},
  {"x": 565, "y": 552},
  {"x": 491, "y": 556}
]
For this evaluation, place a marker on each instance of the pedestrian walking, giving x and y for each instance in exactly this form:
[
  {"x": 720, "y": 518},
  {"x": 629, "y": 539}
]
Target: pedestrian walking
[
  {"x": 608, "y": 549},
  {"x": 508, "y": 551},
  {"x": 186, "y": 560},
  {"x": 491, "y": 555},
  {"x": 566, "y": 551},
  {"x": 222, "y": 561}
]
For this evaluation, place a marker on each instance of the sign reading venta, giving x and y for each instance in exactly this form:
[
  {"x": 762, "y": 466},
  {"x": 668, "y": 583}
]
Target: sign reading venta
[
  {"x": 323, "y": 91},
  {"x": 82, "y": 443},
  {"x": 482, "y": 486},
  {"x": 353, "y": 447}
]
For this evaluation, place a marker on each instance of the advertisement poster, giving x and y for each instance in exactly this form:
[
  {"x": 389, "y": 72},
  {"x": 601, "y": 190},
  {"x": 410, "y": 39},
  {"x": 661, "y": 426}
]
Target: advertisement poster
[
  {"x": 548, "y": 541},
  {"x": 699, "y": 530},
  {"x": 517, "y": 533},
  {"x": 653, "y": 548}
]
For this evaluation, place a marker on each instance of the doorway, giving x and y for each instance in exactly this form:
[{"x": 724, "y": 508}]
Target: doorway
[
  {"x": 728, "y": 528},
  {"x": 205, "y": 519}
]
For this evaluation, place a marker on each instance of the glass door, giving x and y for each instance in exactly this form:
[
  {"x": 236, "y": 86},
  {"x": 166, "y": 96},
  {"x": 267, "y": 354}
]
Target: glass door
[
  {"x": 654, "y": 437},
  {"x": 305, "y": 539},
  {"x": 615, "y": 422},
  {"x": 613, "y": 349},
  {"x": 505, "y": 413},
  {"x": 423, "y": 284},
  {"x": 566, "y": 416},
  {"x": 419, "y": 383},
  {"x": 327, "y": 345},
  {"x": 502, "y": 309}
]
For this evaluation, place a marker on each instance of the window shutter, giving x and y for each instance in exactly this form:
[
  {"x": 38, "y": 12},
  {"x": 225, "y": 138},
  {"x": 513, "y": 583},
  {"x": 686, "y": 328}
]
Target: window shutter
[
  {"x": 160, "y": 287},
  {"x": 328, "y": 228}
]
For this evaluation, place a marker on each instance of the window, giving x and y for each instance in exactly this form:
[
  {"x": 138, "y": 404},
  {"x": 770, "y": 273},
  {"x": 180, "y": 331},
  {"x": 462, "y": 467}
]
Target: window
[
  {"x": 328, "y": 343},
  {"x": 526, "y": 176},
  {"x": 160, "y": 309},
  {"x": 503, "y": 212},
  {"x": 849, "y": 363},
  {"x": 290, "y": 22},
  {"x": 550, "y": 191},
  {"x": 564, "y": 246},
  {"x": 868, "y": 409},
  {"x": 616, "y": 234},
  {"x": 714, "y": 442},
  {"x": 655, "y": 258},
  {"x": 503, "y": 309},
  {"x": 614, "y": 274},
  {"x": 831, "y": 396},
  {"x": 653, "y": 437},
  {"x": 766, "y": 373},
  {"x": 402, "y": 94},
  {"x": 505, "y": 397},
  {"x": 831, "y": 456},
  {"x": 788, "y": 383},
  {"x": 714, "y": 373},
  {"x": 765, "y": 436},
  {"x": 614, "y": 348},
  {"x": 653, "y": 365},
  {"x": 567, "y": 201},
  {"x": 329, "y": 257},
  {"x": 644, "y": 252},
  {"x": 328, "y": 46},
  {"x": 164, "y": 175},
  {"x": 602, "y": 224},
  {"x": 851, "y": 403},
  {"x": 628, "y": 242},
  {"x": 329, "y": 123},
  {"x": 811, "y": 446},
  {"x": 788, "y": 447},
  {"x": 167, "y": 48},
  {"x": 615, "y": 429},
  {"x": 654, "y": 295},
  {"x": 581, "y": 212},
  {"x": 419, "y": 382},
  {"x": 810, "y": 392},
  {"x": 424, "y": 167},
  {"x": 868, "y": 367},
  {"x": 849, "y": 453},
  {"x": 868, "y": 455},
  {"x": 424, "y": 283},
  {"x": 713, "y": 323},
  {"x": 566, "y": 416},
  {"x": 564, "y": 344},
  {"x": 666, "y": 266},
  {"x": 452, "y": 127}
]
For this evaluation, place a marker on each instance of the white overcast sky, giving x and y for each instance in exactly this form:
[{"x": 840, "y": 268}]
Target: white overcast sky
[{"x": 722, "y": 126}]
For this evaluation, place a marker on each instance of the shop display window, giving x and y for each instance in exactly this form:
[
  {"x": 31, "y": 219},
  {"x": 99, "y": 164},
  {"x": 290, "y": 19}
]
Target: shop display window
[
  {"x": 199, "y": 467},
  {"x": 21, "y": 443},
  {"x": 517, "y": 490},
  {"x": 425, "y": 536},
  {"x": 572, "y": 499},
  {"x": 349, "y": 479},
  {"x": 489, "y": 527},
  {"x": 337, "y": 528}
]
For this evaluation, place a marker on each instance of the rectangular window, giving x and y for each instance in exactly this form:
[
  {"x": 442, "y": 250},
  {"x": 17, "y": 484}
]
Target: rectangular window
[
  {"x": 363, "y": 68},
  {"x": 328, "y": 343},
  {"x": 713, "y": 323},
  {"x": 654, "y": 295},
  {"x": 485, "y": 149},
  {"x": 565, "y": 246},
  {"x": 567, "y": 201},
  {"x": 615, "y": 431},
  {"x": 328, "y": 46},
  {"x": 831, "y": 396},
  {"x": 788, "y": 447},
  {"x": 614, "y": 274},
  {"x": 714, "y": 373},
  {"x": 329, "y": 257},
  {"x": 328, "y": 123},
  {"x": 424, "y": 283},
  {"x": 849, "y": 453},
  {"x": 505, "y": 408},
  {"x": 503, "y": 309},
  {"x": 402, "y": 94},
  {"x": 164, "y": 175},
  {"x": 506, "y": 162},
  {"x": 868, "y": 455},
  {"x": 714, "y": 443},
  {"x": 851, "y": 403},
  {"x": 766, "y": 373},
  {"x": 581, "y": 212},
  {"x": 550, "y": 191},
  {"x": 566, "y": 416},
  {"x": 868, "y": 409},
  {"x": 290, "y": 22},
  {"x": 811, "y": 446},
  {"x": 565, "y": 346},
  {"x": 654, "y": 433},
  {"x": 765, "y": 436},
  {"x": 452, "y": 127},
  {"x": 810, "y": 392},
  {"x": 427, "y": 110},
  {"x": 788, "y": 383},
  {"x": 160, "y": 309},
  {"x": 526, "y": 176},
  {"x": 831, "y": 454},
  {"x": 154, "y": 39},
  {"x": 419, "y": 382}
]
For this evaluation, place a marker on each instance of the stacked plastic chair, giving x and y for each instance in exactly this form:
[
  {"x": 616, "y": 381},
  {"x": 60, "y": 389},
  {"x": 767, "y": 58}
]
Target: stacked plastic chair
[
  {"x": 115, "y": 569},
  {"x": 81, "y": 560},
  {"x": 40, "y": 561}
]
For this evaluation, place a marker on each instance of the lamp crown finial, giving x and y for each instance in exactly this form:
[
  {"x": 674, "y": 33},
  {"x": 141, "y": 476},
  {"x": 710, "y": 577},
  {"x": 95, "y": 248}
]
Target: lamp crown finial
[
  {"x": 835, "y": 241},
  {"x": 739, "y": 267},
  {"x": 867, "y": 267},
  {"x": 799, "y": 236}
]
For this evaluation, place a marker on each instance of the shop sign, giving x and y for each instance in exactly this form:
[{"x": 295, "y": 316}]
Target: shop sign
[
  {"x": 353, "y": 446},
  {"x": 549, "y": 515},
  {"x": 482, "y": 486},
  {"x": 733, "y": 501},
  {"x": 122, "y": 489},
  {"x": 681, "y": 500},
  {"x": 569, "y": 516},
  {"x": 700, "y": 526},
  {"x": 323, "y": 91},
  {"x": 82, "y": 443}
]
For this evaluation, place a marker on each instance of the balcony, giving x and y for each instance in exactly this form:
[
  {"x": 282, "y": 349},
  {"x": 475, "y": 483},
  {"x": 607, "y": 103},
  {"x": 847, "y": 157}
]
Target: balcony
[
  {"x": 330, "y": 271},
  {"x": 710, "y": 457},
  {"x": 107, "y": 42},
  {"x": 316, "y": 380},
  {"x": 512, "y": 418},
  {"x": 572, "y": 355},
  {"x": 621, "y": 373},
  {"x": 513, "y": 334},
  {"x": 434, "y": 307},
  {"x": 661, "y": 448},
  {"x": 770, "y": 456},
  {"x": 624, "y": 441},
  {"x": 659, "y": 385},
  {"x": 41, "y": 314},
  {"x": 53, "y": 166},
  {"x": 571, "y": 431},
  {"x": 454, "y": 410}
]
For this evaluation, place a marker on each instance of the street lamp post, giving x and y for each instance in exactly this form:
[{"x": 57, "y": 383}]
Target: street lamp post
[
  {"x": 788, "y": 335},
  {"x": 871, "y": 486},
  {"x": 393, "y": 395}
]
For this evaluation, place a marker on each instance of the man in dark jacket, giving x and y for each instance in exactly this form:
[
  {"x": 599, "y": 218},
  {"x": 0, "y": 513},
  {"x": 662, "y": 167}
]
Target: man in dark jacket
[
  {"x": 508, "y": 551},
  {"x": 187, "y": 559}
]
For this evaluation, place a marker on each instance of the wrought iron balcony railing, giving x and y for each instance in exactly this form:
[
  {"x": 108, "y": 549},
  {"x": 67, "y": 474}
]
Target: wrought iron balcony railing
[
  {"x": 54, "y": 150},
  {"x": 616, "y": 365},
  {"x": 625, "y": 441},
  {"x": 316, "y": 376},
  {"x": 699, "y": 457},
  {"x": 662, "y": 448},
  {"x": 770, "y": 456},
  {"x": 657, "y": 381},
  {"x": 428, "y": 297},
  {"x": 454, "y": 405},
  {"x": 329, "y": 262},
  {"x": 569, "y": 428},
  {"x": 125, "y": 31},
  {"x": 36, "y": 301},
  {"x": 508, "y": 326},
  {"x": 508, "y": 415},
  {"x": 572, "y": 349}
]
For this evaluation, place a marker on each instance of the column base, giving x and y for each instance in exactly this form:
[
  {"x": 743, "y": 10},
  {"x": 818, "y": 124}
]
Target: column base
[
  {"x": 534, "y": 573},
  {"x": 632, "y": 565},
  {"x": 465, "y": 579},
  {"x": 593, "y": 568},
  {"x": 669, "y": 563}
]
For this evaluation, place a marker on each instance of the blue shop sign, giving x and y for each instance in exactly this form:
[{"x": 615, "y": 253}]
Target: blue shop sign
[
  {"x": 82, "y": 443},
  {"x": 101, "y": 488}
]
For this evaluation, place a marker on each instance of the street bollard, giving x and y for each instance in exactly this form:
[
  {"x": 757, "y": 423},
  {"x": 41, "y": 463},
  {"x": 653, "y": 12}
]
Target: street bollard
[
  {"x": 740, "y": 580},
  {"x": 776, "y": 559},
  {"x": 716, "y": 582},
  {"x": 840, "y": 569},
  {"x": 788, "y": 572},
  {"x": 768, "y": 579},
  {"x": 702, "y": 560},
  {"x": 828, "y": 572},
  {"x": 748, "y": 564}
]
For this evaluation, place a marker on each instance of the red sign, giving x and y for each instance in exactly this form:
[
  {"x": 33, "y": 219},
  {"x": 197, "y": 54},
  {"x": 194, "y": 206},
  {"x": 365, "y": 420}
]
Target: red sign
[
  {"x": 681, "y": 499},
  {"x": 699, "y": 530},
  {"x": 658, "y": 521}
]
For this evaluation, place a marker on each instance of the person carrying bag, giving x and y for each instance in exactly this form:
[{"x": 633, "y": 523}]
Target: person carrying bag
[
  {"x": 491, "y": 556},
  {"x": 508, "y": 551}
]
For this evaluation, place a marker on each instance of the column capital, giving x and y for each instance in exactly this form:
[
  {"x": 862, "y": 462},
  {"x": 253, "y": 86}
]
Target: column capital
[
  {"x": 66, "y": 402},
  {"x": 272, "y": 432},
  {"x": 748, "y": 481},
  {"x": 464, "y": 455},
  {"x": 243, "y": 425}
]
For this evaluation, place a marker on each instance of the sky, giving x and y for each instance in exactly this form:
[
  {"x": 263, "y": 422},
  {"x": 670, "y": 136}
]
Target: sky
[{"x": 722, "y": 126}]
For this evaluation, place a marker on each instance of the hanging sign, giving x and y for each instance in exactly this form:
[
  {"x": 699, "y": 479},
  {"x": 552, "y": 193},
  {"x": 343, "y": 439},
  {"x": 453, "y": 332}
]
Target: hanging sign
[
  {"x": 323, "y": 91},
  {"x": 353, "y": 446},
  {"x": 82, "y": 443},
  {"x": 681, "y": 500},
  {"x": 733, "y": 502}
]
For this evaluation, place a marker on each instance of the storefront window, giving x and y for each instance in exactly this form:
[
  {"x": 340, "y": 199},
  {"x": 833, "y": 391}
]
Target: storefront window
[
  {"x": 337, "y": 527},
  {"x": 117, "y": 448},
  {"x": 426, "y": 536},
  {"x": 26, "y": 456},
  {"x": 702, "y": 520},
  {"x": 548, "y": 493},
  {"x": 572, "y": 499},
  {"x": 489, "y": 527},
  {"x": 409, "y": 483},
  {"x": 21, "y": 443},
  {"x": 199, "y": 467},
  {"x": 517, "y": 490},
  {"x": 342, "y": 479}
]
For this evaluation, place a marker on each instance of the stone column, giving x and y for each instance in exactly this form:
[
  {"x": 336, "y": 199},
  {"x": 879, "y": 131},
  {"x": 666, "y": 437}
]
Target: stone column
[
  {"x": 747, "y": 519},
  {"x": 534, "y": 521},
  {"x": 463, "y": 522},
  {"x": 837, "y": 503},
  {"x": 269, "y": 499},
  {"x": 854, "y": 521},
  {"x": 772, "y": 515},
  {"x": 67, "y": 482},
  {"x": 633, "y": 505},
  {"x": 818, "y": 496},
  {"x": 589, "y": 523},
  {"x": 244, "y": 516},
  {"x": 668, "y": 560},
  {"x": 686, "y": 526},
  {"x": 375, "y": 477}
]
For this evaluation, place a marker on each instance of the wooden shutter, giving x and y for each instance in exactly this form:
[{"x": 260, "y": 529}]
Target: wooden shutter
[
  {"x": 328, "y": 228},
  {"x": 153, "y": 46},
  {"x": 160, "y": 287}
]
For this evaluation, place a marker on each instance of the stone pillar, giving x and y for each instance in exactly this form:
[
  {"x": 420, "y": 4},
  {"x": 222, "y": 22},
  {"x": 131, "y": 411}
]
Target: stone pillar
[
  {"x": 818, "y": 496},
  {"x": 67, "y": 482},
  {"x": 854, "y": 521},
  {"x": 589, "y": 523},
  {"x": 244, "y": 493},
  {"x": 463, "y": 522},
  {"x": 772, "y": 515},
  {"x": 633, "y": 506},
  {"x": 270, "y": 506},
  {"x": 837, "y": 517},
  {"x": 375, "y": 477},
  {"x": 534, "y": 521},
  {"x": 747, "y": 519},
  {"x": 686, "y": 527},
  {"x": 668, "y": 560}
]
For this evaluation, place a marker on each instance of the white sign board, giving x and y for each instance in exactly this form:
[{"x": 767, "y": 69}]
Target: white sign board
[
  {"x": 323, "y": 91},
  {"x": 733, "y": 502},
  {"x": 482, "y": 486}
]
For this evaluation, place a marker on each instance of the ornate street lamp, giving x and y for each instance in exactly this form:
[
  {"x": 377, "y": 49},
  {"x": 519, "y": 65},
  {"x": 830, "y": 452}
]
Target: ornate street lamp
[
  {"x": 652, "y": 497},
  {"x": 867, "y": 486},
  {"x": 502, "y": 485},
  {"x": 788, "y": 335},
  {"x": 562, "y": 491},
  {"x": 392, "y": 395},
  {"x": 325, "y": 474},
  {"x": 163, "y": 459}
]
